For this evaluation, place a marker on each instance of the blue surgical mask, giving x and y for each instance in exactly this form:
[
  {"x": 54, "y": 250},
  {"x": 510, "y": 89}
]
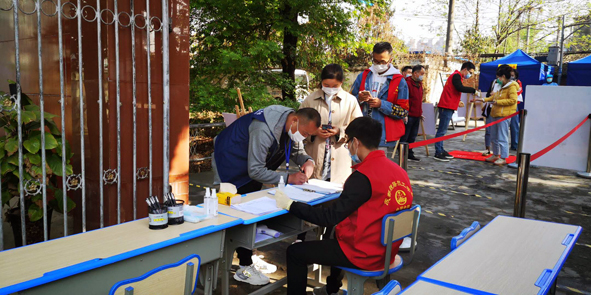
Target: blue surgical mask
[
  {"x": 468, "y": 76},
  {"x": 421, "y": 78},
  {"x": 355, "y": 157}
]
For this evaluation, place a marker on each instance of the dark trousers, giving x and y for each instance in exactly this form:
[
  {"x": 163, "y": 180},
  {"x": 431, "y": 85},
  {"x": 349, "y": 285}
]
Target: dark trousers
[
  {"x": 324, "y": 252},
  {"x": 245, "y": 255},
  {"x": 412, "y": 130},
  {"x": 515, "y": 132}
]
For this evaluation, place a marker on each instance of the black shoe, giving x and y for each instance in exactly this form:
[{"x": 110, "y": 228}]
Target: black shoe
[
  {"x": 447, "y": 155},
  {"x": 441, "y": 157},
  {"x": 412, "y": 157}
]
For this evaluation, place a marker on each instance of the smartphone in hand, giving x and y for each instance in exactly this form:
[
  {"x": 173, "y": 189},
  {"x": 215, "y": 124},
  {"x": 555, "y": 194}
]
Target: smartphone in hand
[
  {"x": 326, "y": 127},
  {"x": 367, "y": 95}
]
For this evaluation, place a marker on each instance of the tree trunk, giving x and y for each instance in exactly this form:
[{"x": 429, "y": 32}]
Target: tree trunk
[{"x": 290, "y": 43}]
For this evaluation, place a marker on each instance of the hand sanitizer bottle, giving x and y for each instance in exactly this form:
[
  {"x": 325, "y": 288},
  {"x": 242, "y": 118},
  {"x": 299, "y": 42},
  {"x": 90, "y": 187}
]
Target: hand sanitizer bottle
[
  {"x": 281, "y": 183},
  {"x": 206, "y": 202},
  {"x": 214, "y": 202}
]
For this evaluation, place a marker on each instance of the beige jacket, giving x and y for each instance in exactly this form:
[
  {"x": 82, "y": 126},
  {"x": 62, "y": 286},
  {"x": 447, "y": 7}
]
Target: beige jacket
[{"x": 344, "y": 109}]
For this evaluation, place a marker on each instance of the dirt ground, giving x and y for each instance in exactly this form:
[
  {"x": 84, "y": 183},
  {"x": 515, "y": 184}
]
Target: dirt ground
[{"x": 454, "y": 194}]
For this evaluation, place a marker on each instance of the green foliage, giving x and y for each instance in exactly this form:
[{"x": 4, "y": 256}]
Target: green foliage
[{"x": 32, "y": 163}]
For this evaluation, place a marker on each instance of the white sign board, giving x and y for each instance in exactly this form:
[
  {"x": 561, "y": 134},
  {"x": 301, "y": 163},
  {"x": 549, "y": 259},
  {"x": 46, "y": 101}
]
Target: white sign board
[
  {"x": 553, "y": 111},
  {"x": 429, "y": 122}
]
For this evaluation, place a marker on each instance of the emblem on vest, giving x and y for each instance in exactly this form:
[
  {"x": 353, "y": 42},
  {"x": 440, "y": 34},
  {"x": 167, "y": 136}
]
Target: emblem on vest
[{"x": 399, "y": 195}]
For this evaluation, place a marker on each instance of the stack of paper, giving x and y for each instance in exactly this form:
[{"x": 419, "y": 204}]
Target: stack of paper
[
  {"x": 320, "y": 186},
  {"x": 260, "y": 206},
  {"x": 299, "y": 195}
]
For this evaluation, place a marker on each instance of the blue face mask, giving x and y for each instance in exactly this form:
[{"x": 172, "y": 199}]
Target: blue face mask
[
  {"x": 354, "y": 157},
  {"x": 468, "y": 76}
]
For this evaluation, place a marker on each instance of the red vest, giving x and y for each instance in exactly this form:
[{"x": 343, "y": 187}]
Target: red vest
[
  {"x": 359, "y": 234},
  {"x": 450, "y": 97},
  {"x": 415, "y": 97},
  {"x": 395, "y": 129}
]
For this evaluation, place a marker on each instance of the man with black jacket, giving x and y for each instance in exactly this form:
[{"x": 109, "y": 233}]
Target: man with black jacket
[
  {"x": 449, "y": 102},
  {"x": 377, "y": 187}
]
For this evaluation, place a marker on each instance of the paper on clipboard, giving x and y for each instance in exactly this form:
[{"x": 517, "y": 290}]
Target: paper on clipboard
[
  {"x": 320, "y": 186},
  {"x": 299, "y": 195}
]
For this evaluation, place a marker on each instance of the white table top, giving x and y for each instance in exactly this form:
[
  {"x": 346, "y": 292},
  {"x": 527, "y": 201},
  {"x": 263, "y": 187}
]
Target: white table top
[
  {"x": 426, "y": 288},
  {"x": 508, "y": 256},
  {"x": 34, "y": 261}
]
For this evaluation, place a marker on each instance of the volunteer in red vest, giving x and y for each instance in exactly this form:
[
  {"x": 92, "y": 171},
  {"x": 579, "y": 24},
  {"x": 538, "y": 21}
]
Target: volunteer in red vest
[
  {"x": 383, "y": 95},
  {"x": 449, "y": 102},
  {"x": 415, "y": 112},
  {"x": 377, "y": 187}
]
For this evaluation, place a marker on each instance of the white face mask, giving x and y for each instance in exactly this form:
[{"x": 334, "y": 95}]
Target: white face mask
[
  {"x": 297, "y": 136},
  {"x": 331, "y": 91},
  {"x": 421, "y": 78},
  {"x": 381, "y": 68}
]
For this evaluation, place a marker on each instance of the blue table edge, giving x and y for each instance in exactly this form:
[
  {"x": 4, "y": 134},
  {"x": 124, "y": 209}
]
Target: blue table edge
[
  {"x": 100, "y": 262},
  {"x": 544, "y": 281}
]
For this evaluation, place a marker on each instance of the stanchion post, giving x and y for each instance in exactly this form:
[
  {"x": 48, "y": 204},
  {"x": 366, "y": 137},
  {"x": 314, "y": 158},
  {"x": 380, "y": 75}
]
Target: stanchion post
[
  {"x": 587, "y": 174},
  {"x": 403, "y": 160},
  {"x": 521, "y": 190},
  {"x": 522, "y": 115}
]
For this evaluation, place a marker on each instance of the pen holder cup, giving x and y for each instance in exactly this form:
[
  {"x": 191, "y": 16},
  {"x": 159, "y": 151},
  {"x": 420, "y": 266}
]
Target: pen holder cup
[
  {"x": 175, "y": 213},
  {"x": 158, "y": 220}
]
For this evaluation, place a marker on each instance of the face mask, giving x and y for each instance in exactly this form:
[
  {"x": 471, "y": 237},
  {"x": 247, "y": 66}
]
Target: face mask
[
  {"x": 331, "y": 91},
  {"x": 408, "y": 75},
  {"x": 297, "y": 136},
  {"x": 549, "y": 80},
  {"x": 421, "y": 78},
  {"x": 499, "y": 81},
  {"x": 354, "y": 157},
  {"x": 468, "y": 76},
  {"x": 512, "y": 79},
  {"x": 381, "y": 68}
]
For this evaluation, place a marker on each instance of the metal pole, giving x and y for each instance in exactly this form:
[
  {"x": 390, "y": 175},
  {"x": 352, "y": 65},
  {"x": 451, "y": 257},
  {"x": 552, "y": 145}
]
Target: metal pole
[
  {"x": 134, "y": 114},
  {"x": 100, "y": 103},
  {"x": 63, "y": 118},
  {"x": 522, "y": 115},
  {"x": 403, "y": 158},
  {"x": 561, "y": 52},
  {"x": 149, "y": 76},
  {"x": 19, "y": 121},
  {"x": 587, "y": 174},
  {"x": 165, "y": 97},
  {"x": 118, "y": 102},
  {"x": 81, "y": 97},
  {"x": 521, "y": 190},
  {"x": 42, "y": 111}
]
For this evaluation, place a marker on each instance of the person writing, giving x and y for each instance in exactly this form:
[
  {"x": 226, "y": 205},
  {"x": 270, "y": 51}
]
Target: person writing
[
  {"x": 337, "y": 109},
  {"x": 247, "y": 154},
  {"x": 504, "y": 103},
  {"x": 449, "y": 103},
  {"x": 357, "y": 213},
  {"x": 383, "y": 95}
]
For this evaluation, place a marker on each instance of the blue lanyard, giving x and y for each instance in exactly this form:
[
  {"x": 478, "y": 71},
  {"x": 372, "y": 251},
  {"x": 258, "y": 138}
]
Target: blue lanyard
[{"x": 287, "y": 154}]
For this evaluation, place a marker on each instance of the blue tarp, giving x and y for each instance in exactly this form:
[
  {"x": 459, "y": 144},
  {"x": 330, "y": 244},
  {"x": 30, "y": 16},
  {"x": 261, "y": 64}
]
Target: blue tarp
[
  {"x": 579, "y": 72},
  {"x": 531, "y": 71}
]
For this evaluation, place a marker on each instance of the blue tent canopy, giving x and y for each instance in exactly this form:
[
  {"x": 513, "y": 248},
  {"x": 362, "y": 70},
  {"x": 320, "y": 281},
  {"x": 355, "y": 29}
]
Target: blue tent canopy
[
  {"x": 531, "y": 71},
  {"x": 579, "y": 72}
]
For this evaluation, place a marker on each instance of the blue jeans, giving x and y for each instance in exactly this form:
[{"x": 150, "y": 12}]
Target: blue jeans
[
  {"x": 500, "y": 138},
  {"x": 489, "y": 120},
  {"x": 515, "y": 132},
  {"x": 444, "y": 119}
]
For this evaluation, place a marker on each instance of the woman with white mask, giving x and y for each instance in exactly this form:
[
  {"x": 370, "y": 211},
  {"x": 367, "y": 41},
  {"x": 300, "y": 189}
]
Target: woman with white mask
[{"x": 337, "y": 109}]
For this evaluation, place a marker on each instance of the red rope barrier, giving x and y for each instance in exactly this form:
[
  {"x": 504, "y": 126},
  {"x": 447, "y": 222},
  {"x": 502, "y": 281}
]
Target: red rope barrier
[
  {"x": 438, "y": 139},
  {"x": 552, "y": 146}
]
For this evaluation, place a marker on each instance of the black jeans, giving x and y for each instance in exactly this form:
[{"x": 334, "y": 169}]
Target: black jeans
[
  {"x": 324, "y": 252},
  {"x": 412, "y": 130}
]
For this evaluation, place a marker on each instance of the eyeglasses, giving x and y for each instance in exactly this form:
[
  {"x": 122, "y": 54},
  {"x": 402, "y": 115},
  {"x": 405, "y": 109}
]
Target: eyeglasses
[
  {"x": 347, "y": 143},
  {"x": 383, "y": 62}
]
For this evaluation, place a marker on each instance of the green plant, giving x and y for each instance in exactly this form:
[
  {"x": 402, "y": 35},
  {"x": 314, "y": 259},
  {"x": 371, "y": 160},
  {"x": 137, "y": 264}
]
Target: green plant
[{"x": 32, "y": 160}]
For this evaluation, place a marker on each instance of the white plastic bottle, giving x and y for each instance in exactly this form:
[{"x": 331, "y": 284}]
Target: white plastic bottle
[
  {"x": 281, "y": 183},
  {"x": 206, "y": 202},
  {"x": 214, "y": 202}
]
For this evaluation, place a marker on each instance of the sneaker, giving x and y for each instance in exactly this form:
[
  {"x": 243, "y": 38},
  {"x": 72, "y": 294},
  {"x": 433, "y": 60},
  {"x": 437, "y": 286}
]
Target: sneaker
[
  {"x": 249, "y": 274},
  {"x": 441, "y": 157},
  {"x": 486, "y": 153},
  {"x": 412, "y": 157},
  {"x": 322, "y": 291},
  {"x": 447, "y": 155},
  {"x": 262, "y": 265},
  {"x": 492, "y": 158},
  {"x": 297, "y": 241},
  {"x": 500, "y": 162},
  {"x": 405, "y": 246}
]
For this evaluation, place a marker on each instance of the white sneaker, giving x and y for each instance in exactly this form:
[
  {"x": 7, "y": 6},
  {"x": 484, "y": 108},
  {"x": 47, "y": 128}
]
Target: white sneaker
[
  {"x": 262, "y": 265},
  {"x": 296, "y": 241},
  {"x": 249, "y": 274},
  {"x": 322, "y": 291},
  {"x": 405, "y": 246}
]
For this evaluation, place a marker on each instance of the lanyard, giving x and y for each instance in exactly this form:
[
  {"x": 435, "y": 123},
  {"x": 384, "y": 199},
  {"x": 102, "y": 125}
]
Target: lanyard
[{"x": 287, "y": 154}]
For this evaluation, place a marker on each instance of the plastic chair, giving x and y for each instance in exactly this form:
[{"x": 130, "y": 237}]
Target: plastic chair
[
  {"x": 395, "y": 227},
  {"x": 392, "y": 288},
  {"x": 464, "y": 235}
]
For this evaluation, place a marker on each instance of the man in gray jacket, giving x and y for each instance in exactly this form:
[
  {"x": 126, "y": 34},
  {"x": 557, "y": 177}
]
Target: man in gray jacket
[{"x": 247, "y": 154}]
